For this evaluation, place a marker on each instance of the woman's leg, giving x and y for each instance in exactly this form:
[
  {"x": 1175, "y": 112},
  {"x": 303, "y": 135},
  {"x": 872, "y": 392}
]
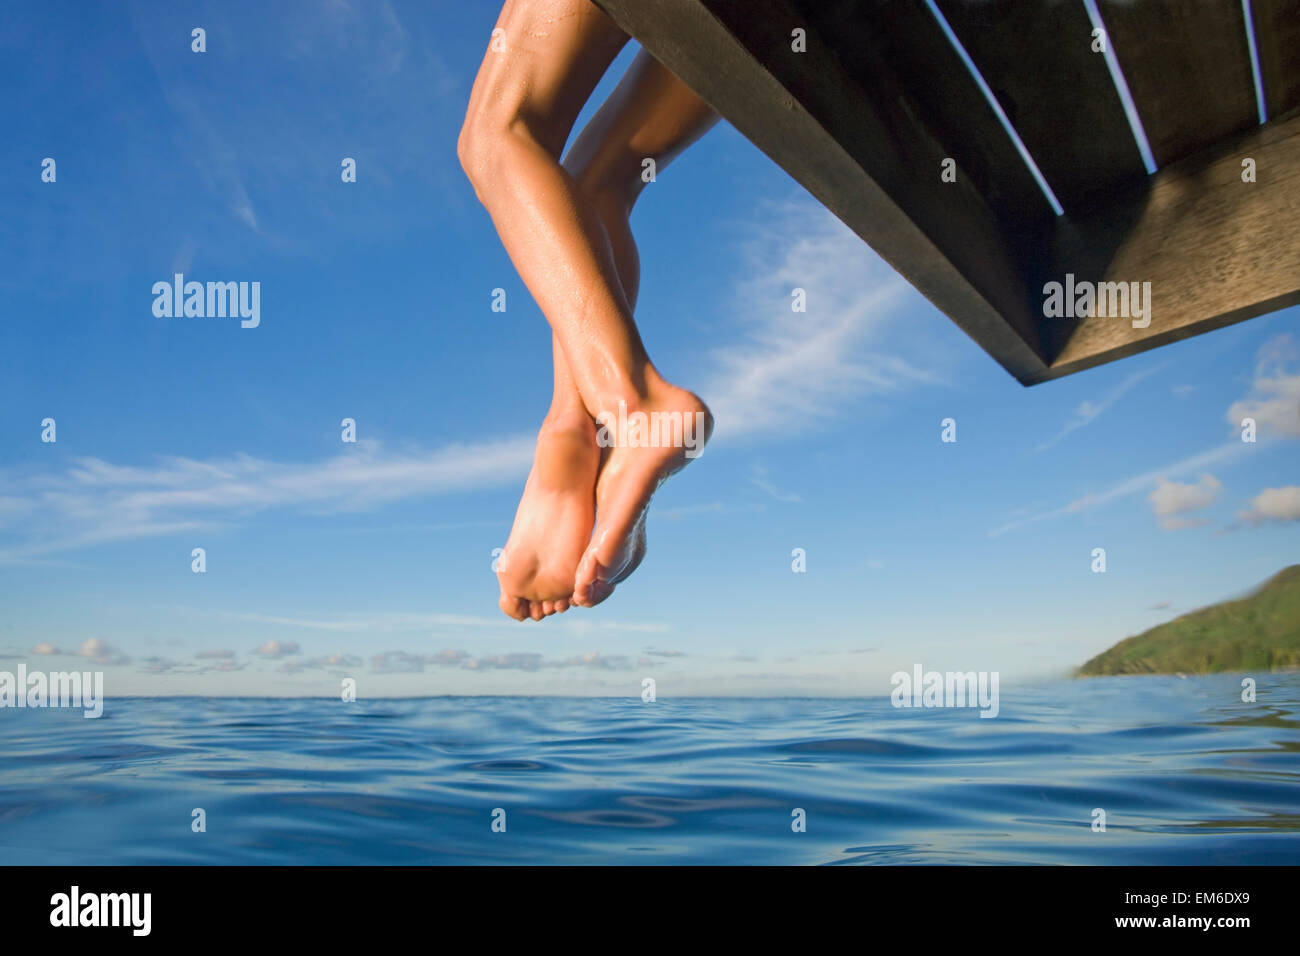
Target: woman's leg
[
  {"x": 535, "y": 78},
  {"x": 651, "y": 115},
  {"x": 524, "y": 102},
  {"x": 522, "y": 108}
]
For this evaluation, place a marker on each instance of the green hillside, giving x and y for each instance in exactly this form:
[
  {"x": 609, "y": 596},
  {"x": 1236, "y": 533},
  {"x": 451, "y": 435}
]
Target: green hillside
[{"x": 1260, "y": 632}]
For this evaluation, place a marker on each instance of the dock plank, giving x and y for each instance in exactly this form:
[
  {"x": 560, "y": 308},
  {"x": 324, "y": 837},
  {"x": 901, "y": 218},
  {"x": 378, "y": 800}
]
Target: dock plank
[
  {"x": 1037, "y": 57},
  {"x": 907, "y": 37},
  {"x": 1277, "y": 38},
  {"x": 1187, "y": 65}
]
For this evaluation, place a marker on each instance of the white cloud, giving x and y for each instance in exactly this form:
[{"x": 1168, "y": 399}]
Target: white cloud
[
  {"x": 407, "y": 662},
  {"x": 96, "y": 502},
  {"x": 215, "y": 663},
  {"x": 1172, "y": 499},
  {"x": 277, "y": 649},
  {"x": 1274, "y": 401},
  {"x": 333, "y": 662},
  {"x": 410, "y": 663},
  {"x": 1274, "y": 505},
  {"x": 1128, "y": 487},
  {"x": 102, "y": 652},
  {"x": 792, "y": 368}
]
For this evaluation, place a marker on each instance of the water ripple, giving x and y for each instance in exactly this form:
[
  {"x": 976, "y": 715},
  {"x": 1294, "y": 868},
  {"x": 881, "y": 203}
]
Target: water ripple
[{"x": 1184, "y": 770}]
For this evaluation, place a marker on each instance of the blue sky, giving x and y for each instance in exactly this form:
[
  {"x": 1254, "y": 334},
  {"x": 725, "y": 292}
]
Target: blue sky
[{"x": 373, "y": 560}]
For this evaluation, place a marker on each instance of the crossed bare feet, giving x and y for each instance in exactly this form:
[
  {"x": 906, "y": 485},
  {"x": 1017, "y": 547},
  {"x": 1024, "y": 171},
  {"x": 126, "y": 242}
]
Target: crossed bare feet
[{"x": 553, "y": 558}]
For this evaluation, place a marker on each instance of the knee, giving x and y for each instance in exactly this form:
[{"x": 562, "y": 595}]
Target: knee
[
  {"x": 474, "y": 150},
  {"x": 484, "y": 146},
  {"x": 493, "y": 143}
]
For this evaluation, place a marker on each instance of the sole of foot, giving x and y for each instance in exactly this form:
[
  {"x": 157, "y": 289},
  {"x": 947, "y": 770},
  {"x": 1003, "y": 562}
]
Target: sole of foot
[{"x": 553, "y": 522}]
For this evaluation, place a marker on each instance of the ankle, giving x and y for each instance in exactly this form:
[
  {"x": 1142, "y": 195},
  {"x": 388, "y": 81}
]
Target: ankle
[
  {"x": 643, "y": 392},
  {"x": 567, "y": 419}
]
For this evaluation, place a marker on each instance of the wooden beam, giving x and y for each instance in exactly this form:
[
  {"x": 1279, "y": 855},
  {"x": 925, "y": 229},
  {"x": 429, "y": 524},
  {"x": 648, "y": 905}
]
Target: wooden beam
[
  {"x": 1216, "y": 250},
  {"x": 864, "y": 117},
  {"x": 946, "y": 98},
  {"x": 1037, "y": 57},
  {"x": 864, "y": 154},
  {"x": 1187, "y": 65},
  {"x": 1277, "y": 37}
]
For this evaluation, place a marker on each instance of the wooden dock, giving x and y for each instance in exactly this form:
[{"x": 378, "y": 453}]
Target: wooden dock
[{"x": 865, "y": 115}]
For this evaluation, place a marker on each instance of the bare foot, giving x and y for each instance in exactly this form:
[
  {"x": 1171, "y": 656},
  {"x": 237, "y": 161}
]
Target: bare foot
[
  {"x": 677, "y": 424},
  {"x": 553, "y": 521}
]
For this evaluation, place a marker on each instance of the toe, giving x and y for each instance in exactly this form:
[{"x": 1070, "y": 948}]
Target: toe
[
  {"x": 598, "y": 591},
  {"x": 535, "y": 610},
  {"x": 561, "y": 606},
  {"x": 515, "y": 607},
  {"x": 584, "y": 578},
  {"x": 548, "y": 608}
]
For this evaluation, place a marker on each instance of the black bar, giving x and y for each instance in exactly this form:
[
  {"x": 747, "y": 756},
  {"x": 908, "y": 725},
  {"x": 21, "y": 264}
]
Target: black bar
[{"x": 332, "y": 905}]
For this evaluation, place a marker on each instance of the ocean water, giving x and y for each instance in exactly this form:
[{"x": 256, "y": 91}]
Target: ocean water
[{"x": 1186, "y": 773}]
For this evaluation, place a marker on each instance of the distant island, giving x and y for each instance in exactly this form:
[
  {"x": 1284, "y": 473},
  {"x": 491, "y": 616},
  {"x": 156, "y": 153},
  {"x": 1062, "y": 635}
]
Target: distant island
[{"x": 1260, "y": 632}]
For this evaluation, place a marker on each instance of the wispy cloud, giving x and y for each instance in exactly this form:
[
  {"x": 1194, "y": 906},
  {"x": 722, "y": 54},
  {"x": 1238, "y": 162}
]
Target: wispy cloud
[
  {"x": 1129, "y": 486},
  {"x": 95, "y": 501},
  {"x": 245, "y": 146},
  {"x": 329, "y": 662},
  {"x": 758, "y": 478},
  {"x": 403, "y": 622},
  {"x": 214, "y": 158},
  {"x": 790, "y": 368},
  {"x": 1090, "y": 411},
  {"x": 207, "y": 665},
  {"x": 406, "y": 662},
  {"x": 689, "y": 511},
  {"x": 1274, "y": 403},
  {"x": 376, "y": 623}
]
